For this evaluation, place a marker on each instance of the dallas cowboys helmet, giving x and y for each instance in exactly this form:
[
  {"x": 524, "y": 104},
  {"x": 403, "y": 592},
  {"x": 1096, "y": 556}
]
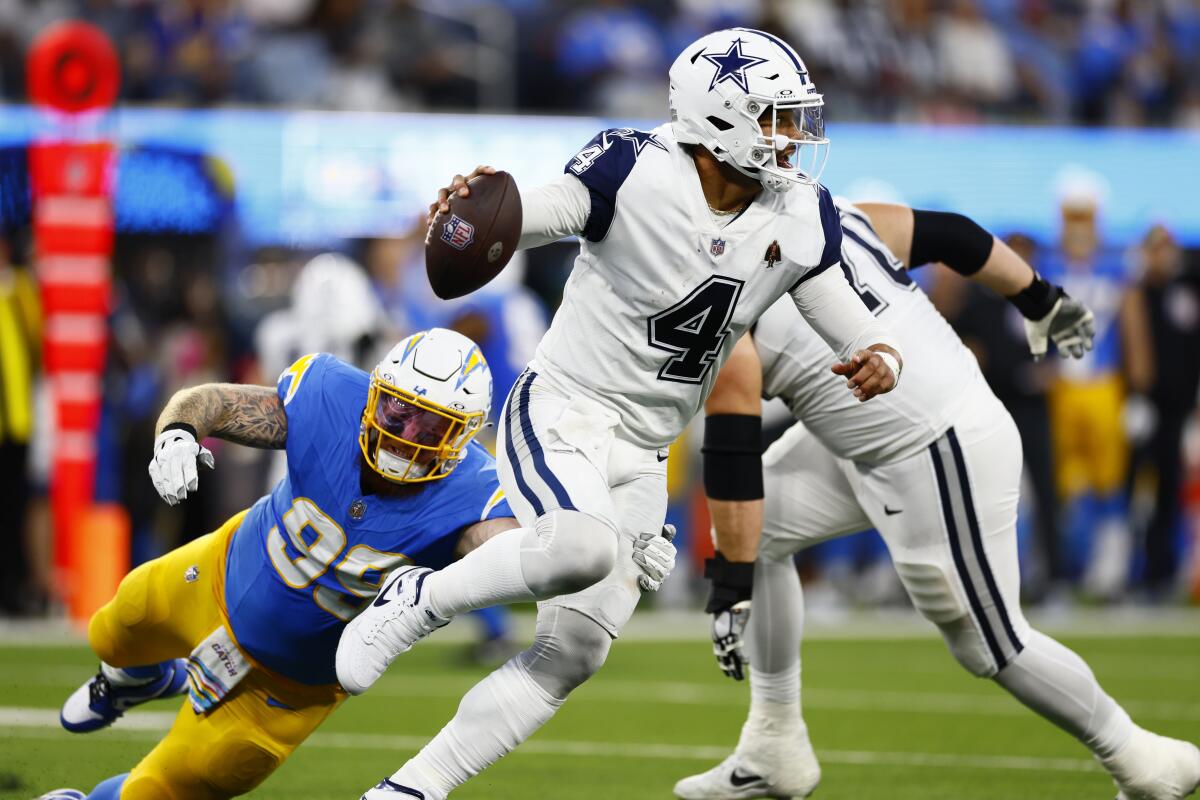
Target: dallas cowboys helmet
[
  {"x": 725, "y": 82},
  {"x": 428, "y": 398}
]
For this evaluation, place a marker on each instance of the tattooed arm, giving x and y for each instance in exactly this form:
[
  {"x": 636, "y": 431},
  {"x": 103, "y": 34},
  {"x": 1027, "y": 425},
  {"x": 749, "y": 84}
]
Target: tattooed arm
[{"x": 249, "y": 415}]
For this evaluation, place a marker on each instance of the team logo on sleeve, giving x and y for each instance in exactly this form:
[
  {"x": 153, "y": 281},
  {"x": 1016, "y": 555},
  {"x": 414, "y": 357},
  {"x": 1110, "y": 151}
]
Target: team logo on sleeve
[
  {"x": 773, "y": 255},
  {"x": 718, "y": 247},
  {"x": 458, "y": 233}
]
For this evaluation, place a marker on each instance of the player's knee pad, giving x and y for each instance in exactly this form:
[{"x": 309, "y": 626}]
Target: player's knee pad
[
  {"x": 968, "y": 647},
  {"x": 583, "y": 550},
  {"x": 931, "y": 590},
  {"x": 237, "y": 766},
  {"x": 567, "y": 649},
  {"x": 111, "y": 626}
]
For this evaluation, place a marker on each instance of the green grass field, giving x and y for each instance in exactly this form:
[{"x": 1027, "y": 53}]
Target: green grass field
[{"x": 890, "y": 719}]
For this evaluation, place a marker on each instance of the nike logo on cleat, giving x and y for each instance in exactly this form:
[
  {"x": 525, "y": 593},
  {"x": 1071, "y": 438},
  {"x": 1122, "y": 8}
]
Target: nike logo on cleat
[
  {"x": 743, "y": 780},
  {"x": 891, "y": 511},
  {"x": 662, "y": 457},
  {"x": 383, "y": 599}
]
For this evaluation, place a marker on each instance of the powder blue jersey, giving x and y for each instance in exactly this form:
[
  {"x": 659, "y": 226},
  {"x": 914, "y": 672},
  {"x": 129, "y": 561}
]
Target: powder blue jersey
[{"x": 309, "y": 555}]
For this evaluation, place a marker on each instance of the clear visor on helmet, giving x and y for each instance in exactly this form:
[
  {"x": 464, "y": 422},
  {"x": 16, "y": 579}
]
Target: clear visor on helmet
[
  {"x": 407, "y": 438},
  {"x": 793, "y": 144}
]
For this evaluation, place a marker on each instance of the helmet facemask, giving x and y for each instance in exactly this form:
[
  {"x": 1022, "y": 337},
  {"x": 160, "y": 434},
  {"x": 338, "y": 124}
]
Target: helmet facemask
[
  {"x": 791, "y": 147},
  {"x": 408, "y": 439}
]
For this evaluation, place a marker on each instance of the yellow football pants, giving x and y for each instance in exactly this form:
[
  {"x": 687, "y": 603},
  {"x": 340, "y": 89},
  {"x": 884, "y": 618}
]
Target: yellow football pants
[
  {"x": 163, "y": 610},
  {"x": 1090, "y": 448}
]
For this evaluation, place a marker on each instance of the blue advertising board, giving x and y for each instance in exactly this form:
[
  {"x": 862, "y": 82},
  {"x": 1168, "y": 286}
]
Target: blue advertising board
[{"x": 305, "y": 178}]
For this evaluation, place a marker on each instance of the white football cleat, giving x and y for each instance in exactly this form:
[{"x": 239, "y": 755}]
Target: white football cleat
[
  {"x": 396, "y": 619},
  {"x": 388, "y": 789},
  {"x": 63, "y": 794},
  {"x": 1153, "y": 767},
  {"x": 779, "y": 765}
]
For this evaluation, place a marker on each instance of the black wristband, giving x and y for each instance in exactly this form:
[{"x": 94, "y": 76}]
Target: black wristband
[
  {"x": 181, "y": 426},
  {"x": 732, "y": 582},
  {"x": 951, "y": 239},
  {"x": 1037, "y": 299},
  {"x": 732, "y": 452}
]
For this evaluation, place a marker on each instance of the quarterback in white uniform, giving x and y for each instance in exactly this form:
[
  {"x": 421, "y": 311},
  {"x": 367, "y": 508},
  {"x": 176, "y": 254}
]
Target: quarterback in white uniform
[
  {"x": 688, "y": 233},
  {"x": 935, "y": 467}
]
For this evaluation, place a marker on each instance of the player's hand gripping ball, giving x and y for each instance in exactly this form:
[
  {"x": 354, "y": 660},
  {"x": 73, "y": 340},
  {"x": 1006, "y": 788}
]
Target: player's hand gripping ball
[{"x": 473, "y": 231}]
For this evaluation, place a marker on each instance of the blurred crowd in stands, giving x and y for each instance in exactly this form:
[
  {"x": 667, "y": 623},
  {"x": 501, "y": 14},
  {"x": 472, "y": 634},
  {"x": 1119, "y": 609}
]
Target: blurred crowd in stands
[{"x": 1092, "y": 62}]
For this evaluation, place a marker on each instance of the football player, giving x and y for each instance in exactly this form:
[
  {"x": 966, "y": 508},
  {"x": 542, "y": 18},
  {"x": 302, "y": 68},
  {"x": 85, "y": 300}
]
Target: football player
[
  {"x": 935, "y": 467},
  {"x": 381, "y": 471},
  {"x": 688, "y": 233}
]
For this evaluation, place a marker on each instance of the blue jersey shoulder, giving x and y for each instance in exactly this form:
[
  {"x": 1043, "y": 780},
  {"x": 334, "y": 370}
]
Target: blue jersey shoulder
[
  {"x": 603, "y": 165},
  {"x": 320, "y": 394}
]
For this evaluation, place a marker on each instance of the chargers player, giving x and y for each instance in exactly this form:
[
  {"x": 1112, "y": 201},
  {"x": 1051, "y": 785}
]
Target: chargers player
[
  {"x": 688, "y": 233},
  {"x": 381, "y": 471},
  {"x": 935, "y": 467}
]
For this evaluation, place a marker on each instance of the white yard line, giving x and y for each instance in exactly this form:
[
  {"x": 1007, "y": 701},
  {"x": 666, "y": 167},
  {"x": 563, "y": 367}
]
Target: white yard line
[
  {"x": 40, "y": 723},
  {"x": 617, "y": 690}
]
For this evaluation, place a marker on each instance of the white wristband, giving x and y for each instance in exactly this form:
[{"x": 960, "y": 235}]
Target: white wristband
[{"x": 892, "y": 363}]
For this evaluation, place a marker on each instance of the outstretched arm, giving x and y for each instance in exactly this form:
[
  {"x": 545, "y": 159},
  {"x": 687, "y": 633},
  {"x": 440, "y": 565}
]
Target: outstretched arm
[
  {"x": 247, "y": 415},
  {"x": 920, "y": 237}
]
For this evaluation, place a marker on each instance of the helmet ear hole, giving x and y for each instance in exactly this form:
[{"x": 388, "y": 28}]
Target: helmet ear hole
[{"x": 720, "y": 124}]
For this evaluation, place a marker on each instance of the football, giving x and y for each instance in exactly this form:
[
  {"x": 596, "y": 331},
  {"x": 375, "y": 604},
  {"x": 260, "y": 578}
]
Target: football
[{"x": 470, "y": 245}]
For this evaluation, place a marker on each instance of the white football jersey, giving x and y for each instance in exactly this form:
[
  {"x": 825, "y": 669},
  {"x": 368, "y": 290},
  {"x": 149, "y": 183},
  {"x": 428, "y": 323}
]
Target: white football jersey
[
  {"x": 661, "y": 291},
  {"x": 940, "y": 374}
]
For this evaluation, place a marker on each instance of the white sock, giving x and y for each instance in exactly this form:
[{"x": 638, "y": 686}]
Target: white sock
[
  {"x": 1056, "y": 683},
  {"x": 489, "y": 575},
  {"x": 773, "y": 646},
  {"x": 565, "y": 552},
  {"x": 500, "y": 712},
  {"x": 119, "y": 677}
]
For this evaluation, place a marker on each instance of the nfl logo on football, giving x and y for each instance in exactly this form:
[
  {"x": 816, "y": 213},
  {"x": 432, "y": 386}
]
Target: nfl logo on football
[
  {"x": 458, "y": 233},
  {"x": 717, "y": 247}
]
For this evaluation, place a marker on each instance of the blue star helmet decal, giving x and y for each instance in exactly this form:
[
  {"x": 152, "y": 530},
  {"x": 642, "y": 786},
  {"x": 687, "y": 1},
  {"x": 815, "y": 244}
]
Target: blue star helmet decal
[
  {"x": 732, "y": 65},
  {"x": 639, "y": 139}
]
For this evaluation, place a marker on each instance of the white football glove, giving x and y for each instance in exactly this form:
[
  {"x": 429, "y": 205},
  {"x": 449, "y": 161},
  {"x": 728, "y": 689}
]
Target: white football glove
[
  {"x": 1070, "y": 325},
  {"x": 655, "y": 556},
  {"x": 727, "y": 629},
  {"x": 173, "y": 470}
]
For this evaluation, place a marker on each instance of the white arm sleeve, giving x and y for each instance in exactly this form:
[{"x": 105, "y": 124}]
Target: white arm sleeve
[
  {"x": 830, "y": 305},
  {"x": 553, "y": 211}
]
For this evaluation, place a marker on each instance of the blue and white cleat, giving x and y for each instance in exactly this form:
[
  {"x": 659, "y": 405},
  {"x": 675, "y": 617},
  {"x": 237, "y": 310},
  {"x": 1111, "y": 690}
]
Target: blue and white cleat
[
  {"x": 396, "y": 619},
  {"x": 99, "y": 702},
  {"x": 63, "y": 794}
]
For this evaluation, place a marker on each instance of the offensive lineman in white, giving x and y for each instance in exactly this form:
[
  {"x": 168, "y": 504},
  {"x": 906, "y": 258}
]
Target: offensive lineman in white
[
  {"x": 935, "y": 467},
  {"x": 688, "y": 233}
]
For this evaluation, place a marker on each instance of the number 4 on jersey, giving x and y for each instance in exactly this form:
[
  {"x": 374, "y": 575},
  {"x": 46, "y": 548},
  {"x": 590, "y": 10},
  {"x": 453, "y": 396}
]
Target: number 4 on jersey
[{"x": 694, "y": 329}]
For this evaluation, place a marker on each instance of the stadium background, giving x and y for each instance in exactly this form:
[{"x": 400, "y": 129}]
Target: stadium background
[{"x": 253, "y": 136}]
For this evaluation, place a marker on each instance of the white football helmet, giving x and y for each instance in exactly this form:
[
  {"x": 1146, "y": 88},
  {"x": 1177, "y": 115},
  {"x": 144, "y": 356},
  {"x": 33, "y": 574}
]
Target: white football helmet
[
  {"x": 335, "y": 304},
  {"x": 429, "y": 396},
  {"x": 724, "y": 83}
]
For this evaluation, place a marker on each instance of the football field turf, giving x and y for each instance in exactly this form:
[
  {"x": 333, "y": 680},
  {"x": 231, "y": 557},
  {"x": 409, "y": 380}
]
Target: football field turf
[{"x": 890, "y": 718}]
